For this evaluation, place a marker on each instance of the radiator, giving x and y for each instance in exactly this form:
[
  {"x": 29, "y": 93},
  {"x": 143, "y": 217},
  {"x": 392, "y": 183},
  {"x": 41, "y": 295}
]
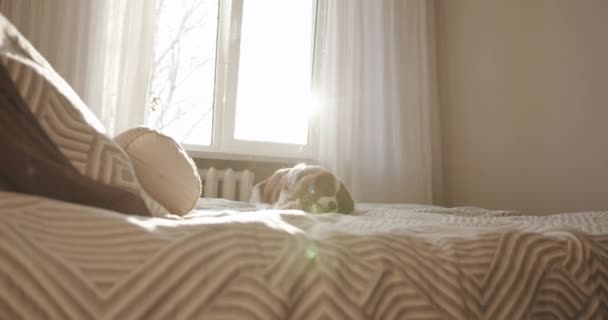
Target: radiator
[{"x": 228, "y": 184}]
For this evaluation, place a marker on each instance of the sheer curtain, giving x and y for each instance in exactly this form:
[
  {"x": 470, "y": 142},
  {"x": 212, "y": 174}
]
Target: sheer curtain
[
  {"x": 101, "y": 47},
  {"x": 375, "y": 81}
]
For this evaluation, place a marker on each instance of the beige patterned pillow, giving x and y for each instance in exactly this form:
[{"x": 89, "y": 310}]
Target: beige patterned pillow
[{"x": 66, "y": 119}]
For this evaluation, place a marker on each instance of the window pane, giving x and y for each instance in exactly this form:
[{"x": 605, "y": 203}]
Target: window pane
[
  {"x": 273, "y": 93},
  {"x": 181, "y": 93}
]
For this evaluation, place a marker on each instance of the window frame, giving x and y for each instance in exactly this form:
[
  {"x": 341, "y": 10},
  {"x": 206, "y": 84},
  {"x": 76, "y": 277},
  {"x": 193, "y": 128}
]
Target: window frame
[{"x": 225, "y": 91}]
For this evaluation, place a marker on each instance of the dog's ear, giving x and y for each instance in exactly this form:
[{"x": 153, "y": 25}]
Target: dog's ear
[
  {"x": 274, "y": 185},
  {"x": 345, "y": 201},
  {"x": 257, "y": 193}
]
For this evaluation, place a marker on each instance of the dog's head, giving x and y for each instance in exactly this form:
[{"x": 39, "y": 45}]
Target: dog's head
[{"x": 305, "y": 187}]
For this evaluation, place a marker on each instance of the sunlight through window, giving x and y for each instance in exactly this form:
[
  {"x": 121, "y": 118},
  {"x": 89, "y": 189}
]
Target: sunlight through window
[
  {"x": 183, "y": 74},
  {"x": 273, "y": 92},
  {"x": 261, "y": 51}
]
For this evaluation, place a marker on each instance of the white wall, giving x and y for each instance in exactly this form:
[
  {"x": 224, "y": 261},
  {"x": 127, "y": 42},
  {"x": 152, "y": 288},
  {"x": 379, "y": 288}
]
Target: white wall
[{"x": 524, "y": 103}]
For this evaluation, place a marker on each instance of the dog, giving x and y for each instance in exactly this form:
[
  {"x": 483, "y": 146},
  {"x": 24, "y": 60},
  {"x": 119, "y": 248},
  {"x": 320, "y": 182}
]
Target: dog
[{"x": 304, "y": 187}]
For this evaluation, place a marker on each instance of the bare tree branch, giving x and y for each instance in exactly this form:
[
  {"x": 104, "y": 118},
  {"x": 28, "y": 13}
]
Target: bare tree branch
[
  {"x": 203, "y": 117},
  {"x": 169, "y": 72}
]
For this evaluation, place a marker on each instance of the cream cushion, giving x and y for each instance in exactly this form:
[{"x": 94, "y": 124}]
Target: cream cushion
[{"x": 163, "y": 168}]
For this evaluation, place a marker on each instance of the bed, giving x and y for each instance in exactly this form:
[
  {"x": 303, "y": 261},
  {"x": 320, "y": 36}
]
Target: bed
[
  {"x": 85, "y": 234},
  {"x": 224, "y": 260}
]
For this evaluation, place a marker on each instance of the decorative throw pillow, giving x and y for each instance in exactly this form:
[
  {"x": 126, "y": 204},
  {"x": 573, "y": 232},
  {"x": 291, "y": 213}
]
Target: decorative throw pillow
[
  {"x": 163, "y": 168},
  {"x": 32, "y": 164},
  {"x": 65, "y": 118}
]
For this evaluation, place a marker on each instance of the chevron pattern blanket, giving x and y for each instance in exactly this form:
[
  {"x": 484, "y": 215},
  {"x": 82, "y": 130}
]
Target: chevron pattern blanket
[{"x": 66, "y": 261}]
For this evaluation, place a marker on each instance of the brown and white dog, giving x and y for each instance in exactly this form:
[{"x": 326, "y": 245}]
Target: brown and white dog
[{"x": 303, "y": 187}]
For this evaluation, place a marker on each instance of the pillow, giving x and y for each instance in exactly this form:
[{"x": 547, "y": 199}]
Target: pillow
[
  {"x": 31, "y": 163},
  {"x": 3, "y": 185},
  {"x": 65, "y": 119},
  {"x": 163, "y": 168}
]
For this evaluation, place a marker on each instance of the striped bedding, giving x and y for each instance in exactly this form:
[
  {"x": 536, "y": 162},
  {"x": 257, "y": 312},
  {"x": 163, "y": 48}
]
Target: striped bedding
[{"x": 224, "y": 261}]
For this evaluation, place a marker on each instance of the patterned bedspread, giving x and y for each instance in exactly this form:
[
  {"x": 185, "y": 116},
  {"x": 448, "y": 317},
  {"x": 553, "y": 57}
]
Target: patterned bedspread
[{"x": 225, "y": 261}]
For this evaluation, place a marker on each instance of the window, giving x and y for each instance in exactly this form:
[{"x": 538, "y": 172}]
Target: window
[{"x": 234, "y": 76}]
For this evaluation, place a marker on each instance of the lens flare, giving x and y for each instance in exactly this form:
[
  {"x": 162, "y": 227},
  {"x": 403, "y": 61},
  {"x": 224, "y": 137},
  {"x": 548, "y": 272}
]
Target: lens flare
[{"x": 312, "y": 253}]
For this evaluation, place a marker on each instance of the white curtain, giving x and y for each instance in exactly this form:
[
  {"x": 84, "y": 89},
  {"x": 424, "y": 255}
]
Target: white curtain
[
  {"x": 375, "y": 81},
  {"x": 101, "y": 47}
]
